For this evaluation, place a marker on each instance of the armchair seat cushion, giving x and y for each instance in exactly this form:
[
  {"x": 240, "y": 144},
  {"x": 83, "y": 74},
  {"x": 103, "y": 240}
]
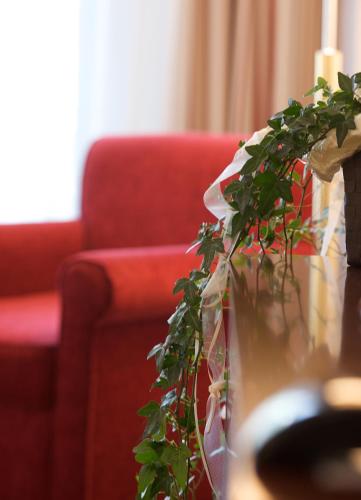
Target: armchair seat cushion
[{"x": 29, "y": 331}]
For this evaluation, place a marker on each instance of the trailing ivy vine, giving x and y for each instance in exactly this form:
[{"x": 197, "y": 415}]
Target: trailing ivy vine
[{"x": 265, "y": 219}]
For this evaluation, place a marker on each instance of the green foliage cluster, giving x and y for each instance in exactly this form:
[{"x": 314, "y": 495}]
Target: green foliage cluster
[{"x": 265, "y": 218}]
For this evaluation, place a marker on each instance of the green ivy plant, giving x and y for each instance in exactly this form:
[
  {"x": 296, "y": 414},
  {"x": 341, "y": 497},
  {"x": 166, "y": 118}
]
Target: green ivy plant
[{"x": 265, "y": 219}]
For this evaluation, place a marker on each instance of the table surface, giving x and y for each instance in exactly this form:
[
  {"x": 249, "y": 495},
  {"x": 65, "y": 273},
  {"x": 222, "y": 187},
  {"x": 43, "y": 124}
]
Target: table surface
[{"x": 294, "y": 356}]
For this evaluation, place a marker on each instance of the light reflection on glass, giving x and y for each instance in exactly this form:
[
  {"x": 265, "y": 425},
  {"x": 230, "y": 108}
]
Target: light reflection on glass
[
  {"x": 248, "y": 487},
  {"x": 278, "y": 413},
  {"x": 343, "y": 392}
]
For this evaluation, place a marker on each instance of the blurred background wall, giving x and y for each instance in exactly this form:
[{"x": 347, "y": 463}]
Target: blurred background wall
[{"x": 75, "y": 70}]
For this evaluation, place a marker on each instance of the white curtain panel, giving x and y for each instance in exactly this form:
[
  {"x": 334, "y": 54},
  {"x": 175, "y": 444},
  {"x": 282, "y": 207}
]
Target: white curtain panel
[
  {"x": 39, "y": 60},
  {"x": 126, "y": 48}
]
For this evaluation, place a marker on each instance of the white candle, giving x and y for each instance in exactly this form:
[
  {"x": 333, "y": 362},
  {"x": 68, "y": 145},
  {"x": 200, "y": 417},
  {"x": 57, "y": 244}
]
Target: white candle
[{"x": 329, "y": 24}]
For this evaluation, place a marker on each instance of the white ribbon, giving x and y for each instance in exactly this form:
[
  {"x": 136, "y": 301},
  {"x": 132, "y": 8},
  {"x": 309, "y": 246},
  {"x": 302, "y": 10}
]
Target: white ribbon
[
  {"x": 335, "y": 211},
  {"x": 325, "y": 159},
  {"x": 213, "y": 198}
]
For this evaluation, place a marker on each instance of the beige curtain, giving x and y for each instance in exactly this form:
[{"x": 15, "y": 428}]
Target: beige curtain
[{"x": 238, "y": 61}]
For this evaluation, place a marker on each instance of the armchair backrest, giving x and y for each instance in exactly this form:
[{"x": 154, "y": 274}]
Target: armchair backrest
[{"x": 144, "y": 191}]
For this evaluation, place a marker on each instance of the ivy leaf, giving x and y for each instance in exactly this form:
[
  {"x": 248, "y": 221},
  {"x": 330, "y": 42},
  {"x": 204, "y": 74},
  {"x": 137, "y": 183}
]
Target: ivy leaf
[
  {"x": 242, "y": 199},
  {"x": 180, "y": 284},
  {"x": 191, "y": 292},
  {"x": 294, "y": 103},
  {"x": 293, "y": 110},
  {"x": 265, "y": 179},
  {"x": 321, "y": 82},
  {"x": 170, "y": 398},
  {"x": 181, "y": 466},
  {"x": 218, "y": 245},
  {"x": 193, "y": 320},
  {"x": 269, "y": 239},
  {"x": 258, "y": 155},
  {"x": 284, "y": 187},
  {"x": 148, "y": 409},
  {"x": 189, "y": 417},
  {"x": 268, "y": 143},
  {"x": 267, "y": 198},
  {"x": 321, "y": 85},
  {"x": 296, "y": 238},
  {"x": 340, "y": 97},
  {"x": 155, "y": 426},
  {"x": 248, "y": 241},
  {"x": 209, "y": 248},
  {"x": 176, "y": 319},
  {"x": 167, "y": 378},
  {"x": 169, "y": 360},
  {"x": 162, "y": 381},
  {"x": 172, "y": 374},
  {"x": 159, "y": 359},
  {"x": 197, "y": 275},
  {"x": 146, "y": 478},
  {"x": 295, "y": 223},
  {"x": 254, "y": 150},
  {"x": 162, "y": 483},
  {"x": 189, "y": 288},
  {"x": 170, "y": 454},
  {"x": 154, "y": 350},
  {"x": 239, "y": 222},
  {"x": 275, "y": 123},
  {"x": 311, "y": 91},
  {"x": 341, "y": 133},
  {"x": 177, "y": 458},
  {"x": 233, "y": 187},
  {"x": 145, "y": 453},
  {"x": 296, "y": 177},
  {"x": 345, "y": 82},
  {"x": 251, "y": 165}
]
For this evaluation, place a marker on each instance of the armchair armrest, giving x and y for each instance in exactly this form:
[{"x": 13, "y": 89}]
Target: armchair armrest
[
  {"x": 112, "y": 287},
  {"x": 31, "y": 253},
  {"x": 142, "y": 280}
]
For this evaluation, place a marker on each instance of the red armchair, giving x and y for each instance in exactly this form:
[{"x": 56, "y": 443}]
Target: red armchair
[{"x": 72, "y": 362}]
